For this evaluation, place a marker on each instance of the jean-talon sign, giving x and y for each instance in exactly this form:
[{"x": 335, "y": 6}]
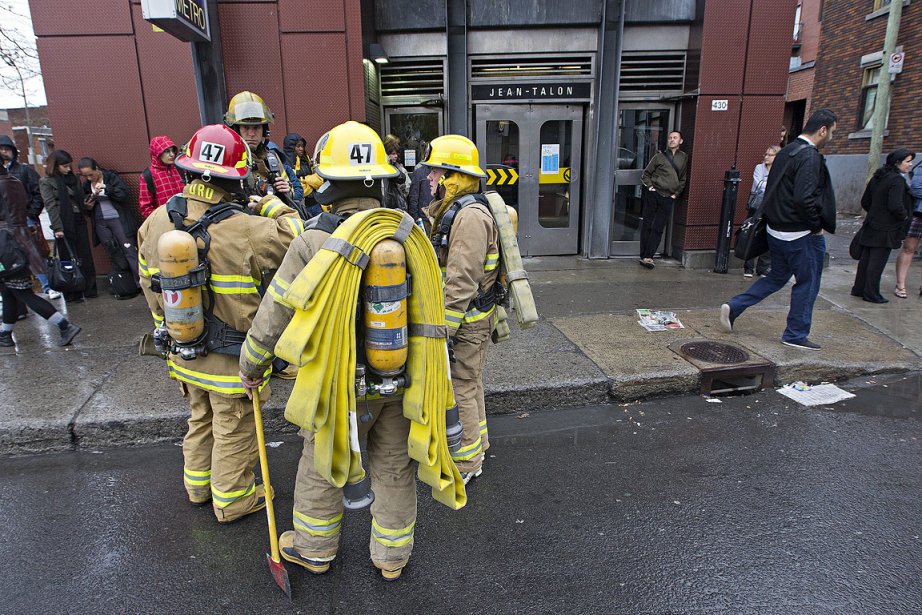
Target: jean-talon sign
[
  {"x": 187, "y": 20},
  {"x": 530, "y": 91}
]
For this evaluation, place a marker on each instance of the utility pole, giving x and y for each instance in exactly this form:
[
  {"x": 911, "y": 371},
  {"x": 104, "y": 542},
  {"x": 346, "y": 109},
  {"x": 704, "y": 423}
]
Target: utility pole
[{"x": 882, "y": 100}]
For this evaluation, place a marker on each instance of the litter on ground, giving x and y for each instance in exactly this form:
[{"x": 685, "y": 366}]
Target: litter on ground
[{"x": 818, "y": 395}]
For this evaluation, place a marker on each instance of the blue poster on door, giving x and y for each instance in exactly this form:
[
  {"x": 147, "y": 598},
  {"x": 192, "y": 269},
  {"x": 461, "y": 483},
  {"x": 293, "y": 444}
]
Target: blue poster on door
[{"x": 550, "y": 158}]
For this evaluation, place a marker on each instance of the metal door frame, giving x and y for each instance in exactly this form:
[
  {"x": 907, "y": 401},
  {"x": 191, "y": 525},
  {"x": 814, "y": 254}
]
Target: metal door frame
[
  {"x": 632, "y": 177},
  {"x": 534, "y": 239}
]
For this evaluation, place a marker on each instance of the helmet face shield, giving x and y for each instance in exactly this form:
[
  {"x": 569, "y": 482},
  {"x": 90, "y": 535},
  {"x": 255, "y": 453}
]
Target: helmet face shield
[{"x": 250, "y": 112}]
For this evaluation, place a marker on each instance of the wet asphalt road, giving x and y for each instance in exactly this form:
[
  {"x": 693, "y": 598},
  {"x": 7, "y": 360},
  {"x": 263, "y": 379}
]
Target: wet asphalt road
[{"x": 752, "y": 505}]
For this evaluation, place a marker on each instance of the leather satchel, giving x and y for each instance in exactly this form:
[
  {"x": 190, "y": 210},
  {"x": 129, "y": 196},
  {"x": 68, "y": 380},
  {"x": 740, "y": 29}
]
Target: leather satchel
[
  {"x": 751, "y": 237},
  {"x": 65, "y": 276}
]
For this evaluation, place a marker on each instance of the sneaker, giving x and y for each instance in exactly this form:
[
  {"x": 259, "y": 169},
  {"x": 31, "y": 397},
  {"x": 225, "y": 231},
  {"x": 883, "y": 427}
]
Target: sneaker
[
  {"x": 68, "y": 334},
  {"x": 317, "y": 565},
  {"x": 647, "y": 262},
  {"x": 726, "y": 321},
  {"x": 802, "y": 344},
  {"x": 53, "y": 294},
  {"x": 6, "y": 339},
  {"x": 747, "y": 274},
  {"x": 469, "y": 476}
]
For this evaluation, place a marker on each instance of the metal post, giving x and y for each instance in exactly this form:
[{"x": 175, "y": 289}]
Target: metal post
[
  {"x": 882, "y": 100},
  {"x": 725, "y": 229},
  {"x": 457, "y": 66},
  {"x": 208, "y": 62},
  {"x": 602, "y": 189}
]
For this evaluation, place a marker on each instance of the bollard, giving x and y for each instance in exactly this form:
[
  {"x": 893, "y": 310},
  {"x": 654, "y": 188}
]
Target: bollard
[{"x": 727, "y": 210}]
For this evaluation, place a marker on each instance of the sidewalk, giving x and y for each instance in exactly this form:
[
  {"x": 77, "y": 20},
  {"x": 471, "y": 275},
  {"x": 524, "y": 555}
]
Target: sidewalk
[{"x": 587, "y": 349}]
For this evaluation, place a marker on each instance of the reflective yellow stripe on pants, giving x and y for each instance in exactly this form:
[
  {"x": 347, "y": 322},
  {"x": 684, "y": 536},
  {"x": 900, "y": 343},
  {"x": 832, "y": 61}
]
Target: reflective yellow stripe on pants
[
  {"x": 392, "y": 538},
  {"x": 468, "y": 452},
  {"x": 226, "y": 498},
  {"x": 315, "y": 526},
  {"x": 197, "y": 478}
]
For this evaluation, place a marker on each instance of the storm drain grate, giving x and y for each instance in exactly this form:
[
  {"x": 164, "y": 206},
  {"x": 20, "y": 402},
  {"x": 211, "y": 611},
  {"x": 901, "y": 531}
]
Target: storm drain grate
[{"x": 715, "y": 352}]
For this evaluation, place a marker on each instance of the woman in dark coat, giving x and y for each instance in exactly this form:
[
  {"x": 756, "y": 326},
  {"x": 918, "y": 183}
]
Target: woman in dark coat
[
  {"x": 115, "y": 223},
  {"x": 889, "y": 205},
  {"x": 16, "y": 289},
  {"x": 67, "y": 210}
]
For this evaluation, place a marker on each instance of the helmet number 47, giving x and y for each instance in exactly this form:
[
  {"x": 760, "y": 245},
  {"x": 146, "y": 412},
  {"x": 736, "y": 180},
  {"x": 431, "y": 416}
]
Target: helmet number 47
[
  {"x": 212, "y": 152},
  {"x": 361, "y": 153}
]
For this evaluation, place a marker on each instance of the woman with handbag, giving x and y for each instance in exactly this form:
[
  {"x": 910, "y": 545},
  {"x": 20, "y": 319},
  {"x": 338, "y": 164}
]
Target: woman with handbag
[
  {"x": 911, "y": 243},
  {"x": 759, "y": 179},
  {"x": 889, "y": 205},
  {"x": 68, "y": 211},
  {"x": 16, "y": 288}
]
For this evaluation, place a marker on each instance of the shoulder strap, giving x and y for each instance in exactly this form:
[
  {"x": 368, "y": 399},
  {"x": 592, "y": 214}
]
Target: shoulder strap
[
  {"x": 149, "y": 180},
  {"x": 326, "y": 222}
]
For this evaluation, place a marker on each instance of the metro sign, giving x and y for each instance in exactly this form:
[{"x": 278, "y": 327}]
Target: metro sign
[{"x": 187, "y": 20}]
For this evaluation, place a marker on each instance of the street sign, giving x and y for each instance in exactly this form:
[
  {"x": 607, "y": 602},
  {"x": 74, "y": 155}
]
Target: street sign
[
  {"x": 187, "y": 20},
  {"x": 720, "y": 105},
  {"x": 896, "y": 63}
]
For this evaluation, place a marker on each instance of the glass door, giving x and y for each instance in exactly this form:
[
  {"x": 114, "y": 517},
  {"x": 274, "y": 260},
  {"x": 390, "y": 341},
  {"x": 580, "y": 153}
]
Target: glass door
[
  {"x": 642, "y": 131},
  {"x": 532, "y": 156},
  {"x": 415, "y": 126}
]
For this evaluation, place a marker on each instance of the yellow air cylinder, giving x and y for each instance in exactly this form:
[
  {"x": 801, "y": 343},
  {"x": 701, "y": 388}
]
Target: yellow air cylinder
[
  {"x": 385, "y": 314},
  {"x": 514, "y": 218},
  {"x": 182, "y": 307}
]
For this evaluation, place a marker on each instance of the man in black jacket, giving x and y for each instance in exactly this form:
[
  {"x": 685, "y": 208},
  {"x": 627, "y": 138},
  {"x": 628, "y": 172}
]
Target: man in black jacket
[
  {"x": 26, "y": 173},
  {"x": 799, "y": 206}
]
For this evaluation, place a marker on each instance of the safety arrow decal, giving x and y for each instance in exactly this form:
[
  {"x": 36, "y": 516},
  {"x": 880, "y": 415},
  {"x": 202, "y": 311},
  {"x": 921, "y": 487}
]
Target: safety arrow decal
[{"x": 502, "y": 177}]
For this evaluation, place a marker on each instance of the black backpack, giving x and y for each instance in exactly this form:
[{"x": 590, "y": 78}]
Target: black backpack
[
  {"x": 149, "y": 180},
  {"x": 13, "y": 259}
]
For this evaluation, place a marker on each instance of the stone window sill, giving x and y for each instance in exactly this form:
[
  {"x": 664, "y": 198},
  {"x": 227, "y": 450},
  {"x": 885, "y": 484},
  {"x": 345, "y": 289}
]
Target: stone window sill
[
  {"x": 865, "y": 134},
  {"x": 884, "y": 11}
]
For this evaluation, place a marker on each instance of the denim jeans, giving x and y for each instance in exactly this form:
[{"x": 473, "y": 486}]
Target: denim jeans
[{"x": 802, "y": 258}]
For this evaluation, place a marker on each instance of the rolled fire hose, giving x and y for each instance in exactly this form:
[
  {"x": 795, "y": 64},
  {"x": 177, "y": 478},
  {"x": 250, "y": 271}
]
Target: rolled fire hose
[{"x": 321, "y": 340}]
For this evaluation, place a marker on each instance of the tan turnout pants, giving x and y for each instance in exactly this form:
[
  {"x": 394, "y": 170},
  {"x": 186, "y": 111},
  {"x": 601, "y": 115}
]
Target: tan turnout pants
[
  {"x": 467, "y": 382},
  {"x": 318, "y": 506},
  {"x": 219, "y": 452}
]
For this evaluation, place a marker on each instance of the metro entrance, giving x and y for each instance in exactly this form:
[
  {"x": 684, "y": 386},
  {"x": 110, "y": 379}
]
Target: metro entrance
[{"x": 532, "y": 156}]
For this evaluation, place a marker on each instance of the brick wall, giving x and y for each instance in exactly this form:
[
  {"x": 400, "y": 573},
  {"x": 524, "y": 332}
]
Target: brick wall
[
  {"x": 847, "y": 36},
  {"x": 800, "y": 85}
]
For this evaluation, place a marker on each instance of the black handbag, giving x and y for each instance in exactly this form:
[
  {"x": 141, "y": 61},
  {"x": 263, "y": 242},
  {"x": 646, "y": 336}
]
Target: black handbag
[
  {"x": 854, "y": 248},
  {"x": 13, "y": 259},
  {"x": 751, "y": 237},
  {"x": 65, "y": 276}
]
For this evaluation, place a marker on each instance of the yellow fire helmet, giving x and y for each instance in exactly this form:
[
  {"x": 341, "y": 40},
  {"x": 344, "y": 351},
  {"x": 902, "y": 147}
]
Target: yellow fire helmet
[
  {"x": 455, "y": 153},
  {"x": 246, "y": 108},
  {"x": 351, "y": 152}
]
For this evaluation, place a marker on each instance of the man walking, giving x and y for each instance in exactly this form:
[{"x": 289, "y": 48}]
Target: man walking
[
  {"x": 664, "y": 178},
  {"x": 799, "y": 205}
]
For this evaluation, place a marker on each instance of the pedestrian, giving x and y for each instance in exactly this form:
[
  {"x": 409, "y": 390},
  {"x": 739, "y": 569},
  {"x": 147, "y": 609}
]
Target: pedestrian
[
  {"x": 219, "y": 449},
  {"x": 161, "y": 180},
  {"x": 318, "y": 505},
  {"x": 296, "y": 157},
  {"x": 911, "y": 243},
  {"x": 66, "y": 205},
  {"x": 889, "y": 205},
  {"x": 114, "y": 222},
  {"x": 759, "y": 179},
  {"x": 249, "y": 116},
  {"x": 26, "y": 173},
  {"x": 799, "y": 205},
  {"x": 16, "y": 290},
  {"x": 468, "y": 249},
  {"x": 421, "y": 193},
  {"x": 395, "y": 189},
  {"x": 664, "y": 178}
]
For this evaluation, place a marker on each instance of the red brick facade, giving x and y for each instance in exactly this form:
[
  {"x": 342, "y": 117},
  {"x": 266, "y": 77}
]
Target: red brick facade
[{"x": 847, "y": 36}]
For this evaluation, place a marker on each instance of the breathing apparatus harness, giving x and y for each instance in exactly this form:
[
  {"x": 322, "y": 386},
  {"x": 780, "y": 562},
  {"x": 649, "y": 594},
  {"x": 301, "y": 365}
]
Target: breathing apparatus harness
[
  {"x": 217, "y": 336},
  {"x": 496, "y": 294}
]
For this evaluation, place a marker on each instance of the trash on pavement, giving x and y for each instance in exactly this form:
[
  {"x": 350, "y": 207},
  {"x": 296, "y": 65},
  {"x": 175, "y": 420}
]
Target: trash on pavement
[
  {"x": 818, "y": 395},
  {"x": 658, "y": 320}
]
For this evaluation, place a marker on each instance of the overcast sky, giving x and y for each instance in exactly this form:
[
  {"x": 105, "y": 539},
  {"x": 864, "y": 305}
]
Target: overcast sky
[{"x": 35, "y": 90}]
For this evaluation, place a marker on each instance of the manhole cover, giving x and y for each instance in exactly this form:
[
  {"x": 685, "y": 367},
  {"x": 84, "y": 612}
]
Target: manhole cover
[{"x": 715, "y": 352}]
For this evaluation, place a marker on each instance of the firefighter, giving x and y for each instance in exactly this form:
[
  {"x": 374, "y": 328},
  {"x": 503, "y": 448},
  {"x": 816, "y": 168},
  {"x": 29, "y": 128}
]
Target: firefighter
[
  {"x": 240, "y": 252},
  {"x": 352, "y": 161},
  {"x": 250, "y": 117},
  {"x": 466, "y": 240}
]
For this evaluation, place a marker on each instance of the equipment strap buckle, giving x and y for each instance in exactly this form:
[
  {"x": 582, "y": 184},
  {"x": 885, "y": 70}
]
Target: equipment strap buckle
[
  {"x": 348, "y": 251},
  {"x": 195, "y": 277},
  {"x": 382, "y": 294}
]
